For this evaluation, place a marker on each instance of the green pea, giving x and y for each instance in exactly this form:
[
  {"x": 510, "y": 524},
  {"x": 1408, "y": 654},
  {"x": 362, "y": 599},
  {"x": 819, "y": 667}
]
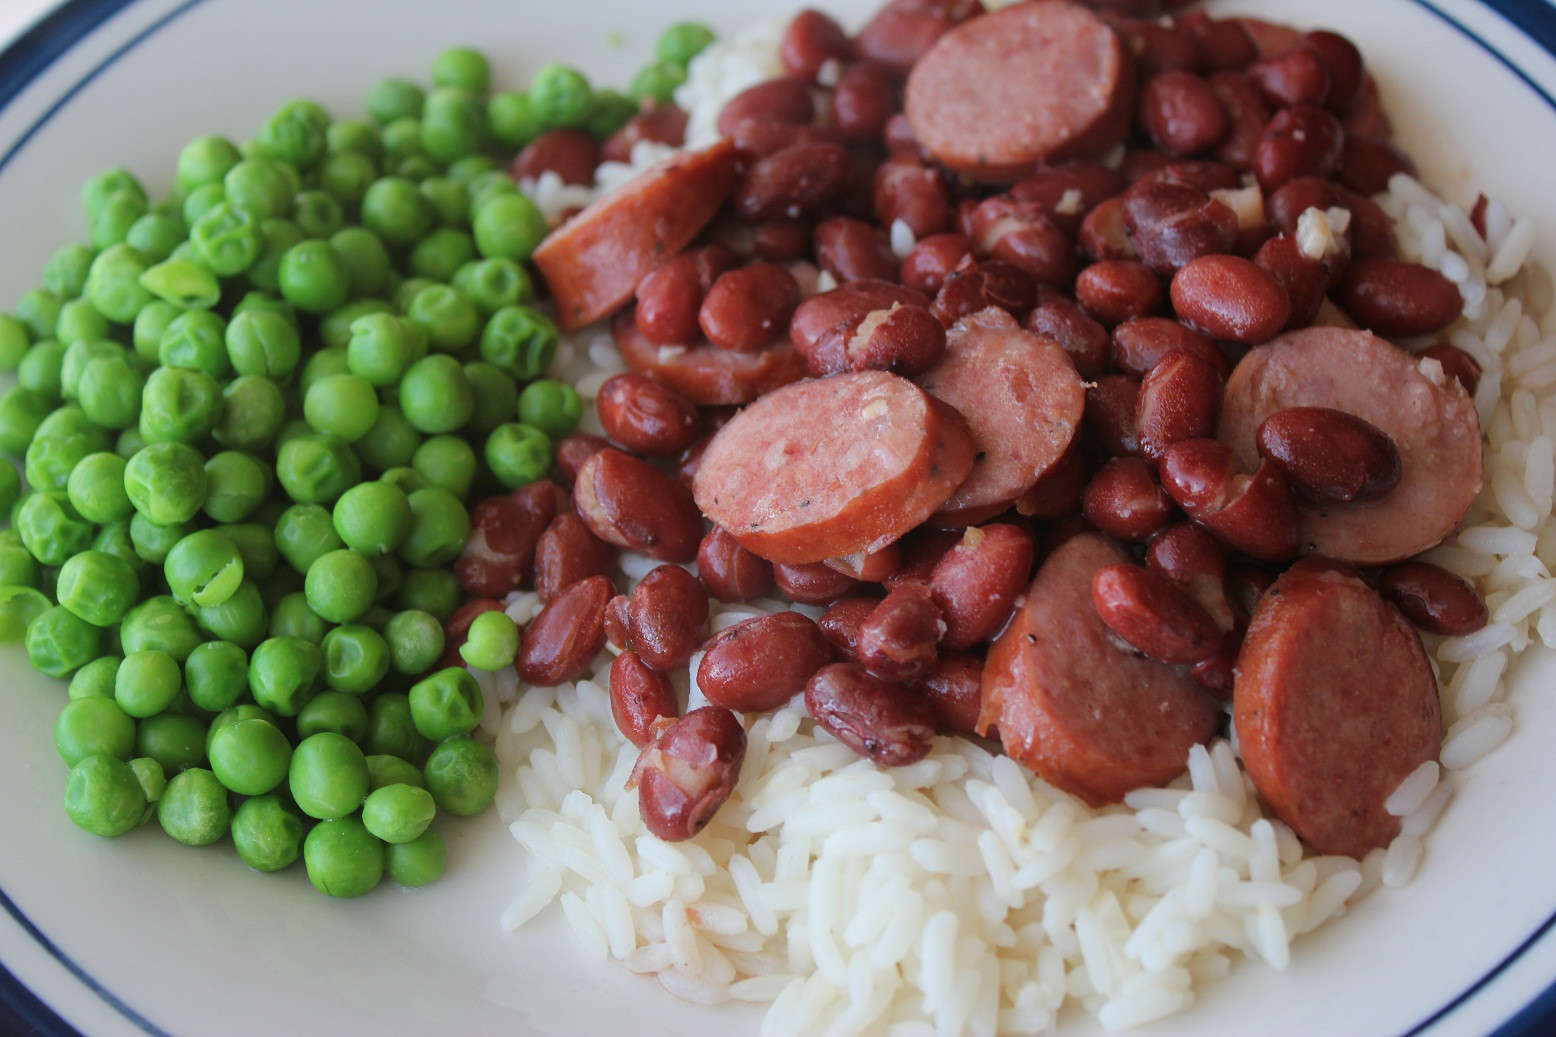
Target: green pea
[
  {"x": 402, "y": 140},
  {"x": 560, "y": 96},
  {"x": 19, "y": 607},
  {"x": 152, "y": 541},
  {"x": 96, "y": 488},
  {"x": 462, "y": 67},
  {"x": 179, "y": 405},
  {"x": 195, "y": 807},
  {"x": 383, "y": 769},
  {"x": 11, "y": 489},
  {"x": 21, "y": 411},
  {"x": 419, "y": 861},
  {"x": 151, "y": 323},
  {"x": 367, "y": 262},
  {"x": 333, "y": 711},
  {"x": 51, "y": 529},
  {"x": 450, "y": 201},
  {"x": 153, "y": 782},
  {"x": 372, "y": 518},
  {"x": 346, "y": 173},
  {"x": 341, "y": 585},
  {"x": 183, "y": 283},
  {"x": 264, "y": 343},
  {"x": 110, "y": 391},
  {"x": 115, "y": 216},
  {"x": 115, "y": 539},
  {"x": 95, "y": 679},
  {"x": 240, "y": 619},
  {"x": 78, "y": 320},
  {"x": 392, "y": 99},
  {"x": 395, "y": 210},
  {"x": 267, "y": 833},
  {"x": 203, "y": 569},
  {"x": 657, "y": 82},
  {"x": 512, "y": 118},
  {"x": 291, "y": 617},
  {"x": 159, "y": 624},
  {"x": 196, "y": 340},
  {"x": 335, "y": 326},
  {"x": 316, "y": 469},
  {"x": 398, "y": 813},
  {"x": 440, "y": 526},
  {"x": 255, "y": 543},
  {"x": 103, "y": 796},
  {"x": 508, "y": 225},
  {"x": 328, "y": 775},
  {"x": 97, "y": 587},
  {"x": 166, "y": 482},
  {"x": 415, "y": 641},
  {"x": 226, "y": 237},
  {"x": 216, "y": 675},
  {"x": 341, "y": 405},
  {"x": 343, "y": 858},
  {"x": 64, "y": 275},
  {"x": 521, "y": 341},
  {"x": 492, "y": 283},
  {"x": 492, "y": 643},
  {"x": 432, "y": 590},
  {"x": 51, "y": 458},
  {"x": 93, "y": 726},
  {"x": 435, "y": 395},
  {"x": 236, "y": 485},
  {"x": 518, "y": 454},
  {"x": 496, "y": 396},
  {"x": 609, "y": 111},
  {"x": 147, "y": 683},
  {"x": 253, "y": 410},
  {"x": 202, "y": 200},
  {"x": 446, "y": 703},
  {"x": 553, "y": 407},
  {"x": 284, "y": 674},
  {"x": 356, "y": 659},
  {"x": 262, "y": 186},
  {"x": 205, "y": 160},
  {"x": 157, "y": 235},
  {"x": 463, "y": 170},
  {"x": 317, "y": 214},
  {"x": 440, "y": 254},
  {"x": 305, "y": 532},
  {"x": 391, "y": 731},
  {"x": 176, "y": 741},
  {"x": 294, "y": 134},
  {"x": 40, "y": 372},
  {"x": 250, "y": 757},
  {"x": 462, "y": 776},
  {"x": 390, "y": 442},
  {"x": 453, "y": 123}
]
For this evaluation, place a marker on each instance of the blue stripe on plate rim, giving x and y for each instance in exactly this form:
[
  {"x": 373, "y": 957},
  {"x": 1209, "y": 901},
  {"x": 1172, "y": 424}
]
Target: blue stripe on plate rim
[{"x": 27, "y": 57}]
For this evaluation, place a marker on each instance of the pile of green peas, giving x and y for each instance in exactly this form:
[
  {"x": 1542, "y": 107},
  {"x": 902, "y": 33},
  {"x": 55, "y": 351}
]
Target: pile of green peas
[{"x": 250, "y": 418}]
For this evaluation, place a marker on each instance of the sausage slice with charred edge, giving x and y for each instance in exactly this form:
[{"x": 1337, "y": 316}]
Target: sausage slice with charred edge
[{"x": 1086, "y": 713}]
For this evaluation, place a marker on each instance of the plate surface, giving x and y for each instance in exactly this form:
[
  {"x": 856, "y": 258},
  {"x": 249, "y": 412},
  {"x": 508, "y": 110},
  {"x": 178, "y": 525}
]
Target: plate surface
[{"x": 139, "y": 936}]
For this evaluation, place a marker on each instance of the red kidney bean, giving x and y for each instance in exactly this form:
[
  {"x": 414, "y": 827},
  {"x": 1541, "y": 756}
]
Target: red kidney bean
[
  {"x": 1371, "y": 232},
  {"x": 1158, "y": 47},
  {"x": 729, "y": 571},
  {"x": 1218, "y": 674},
  {"x": 573, "y": 450},
  {"x": 616, "y": 623},
  {"x": 1329, "y": 455},
  {"x": 1171, "y": 223},
  {"x": 819, "y": 314},
  {"x": 500, "y": 554},
  {"x": 667, "y": 617},
  {"x": 670, "y": 295},
  {"x": 760, "y": 663},
  {"x": 646, "y": 417},
  {"x": 955, "y": 690},
  {"x": 1202, "y": 174},
  {"x": 976, "y": 583},
  {"x": 1229, "y": 297},
  {"x": 868, "y": 566},
  {"x": 640, "y": 696},
  {"x": 899, "y": 639},
  {"x": 758, "y": 139},
  {"x": 1104, "y": 234},
  {"x": 1180, "y": 398},
  {"x": 1366, "y": 165},
  {"x": 853, "y": 250},
  {"x": 1066, "y": 192},
  {"x": 792, "y": 182},
  {"x": 1398, "y": 298},
  {"x": 569, "y": 153},
  {"x": 782, "y": 101},
  {"x": 1296, "y": 76},
  {"x": 1291, "y": 199},
  {"x": 810, "y": 41},
  {"x": 906, "y": 188},
  {"x": 1125, "y": 501},
  {"x": 1221, "y": 43},
  {"x": 1149, "y": 612},
  {"x": 1252, "y": 514},
  {"x": 690, "y": 461},
  {"x": 659, "y": 123},
  {"x": 1066, "y": 323},
  {"x": 628, "y": 502},
  {"x": 1247, "y": 114},
  {"x": 906, "y": 340},
  {"x": 561, "y": 642},
  {"x": 903, "y": 30},
  {"x": 1366, "y": 118},
  {"x": 688, "y": 771},
  {"x": 922, "y": 550},
  {"x": 1180, "y": 112},
  {"x": 1302, "y": 140},
  {"x": 931, "y": 260},
  {"x": 1457, "y": 364},
  {"x": 879, "y": 719},
  {"x": 842, "y": 620},
  {"x": 1116, "y": 290},
  {"x": 981, "y": 285},
  {"x": 1303, "y": 278},
  {"x": 1020, "y": 233},
  {"x": 1108, "y": 422},
  {"x": 1433, "y": 598},
  {"x": 456, "y": 629},
  {"x": 782, "y": 240},
  {"x": 1343, "y": 63},
  {"x": 1139, "y": 345},
  {"x": 749, "y": 307},
  {"x": 861, "y": 102},
  {"x": 1192, "y": 559},
  {"x": 1057, "y": 492},
  {"x": 898, "y": 136},
  {"x": 568, "y": 552},
  {"x": 814, "y": 583},
  {"x": 1246, "y": 581}
]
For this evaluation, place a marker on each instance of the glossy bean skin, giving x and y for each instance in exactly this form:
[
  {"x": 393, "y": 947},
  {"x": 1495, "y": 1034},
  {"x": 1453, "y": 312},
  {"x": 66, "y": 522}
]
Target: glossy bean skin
[
  {"x": 1231, "y": 298},
  {"x": 1108, "y": 423},
  {"x": 1139, "y": 344},
  {"x": 1394, "y": 297},
  {"x": 730, "y": 572},
  {"x": 881, "y": 720},
  {"x": 1343, "y": 64},
  {"x": 1171, "y": 222},
  {"x": 568, "y": 552},
  {"x": 1297, "y": 76},
  {"x": 1220, "y": 43},
  {"x": 1021, "y": 233},
  {"x": 810, "y": 40},
  {"x": 1057, "y": 492},
  {"x": 670, "y": 295},
  {"x": 1252, "y": 514},
  {"x": 906, "y": 188},
  {"x": 1247, "y": 114},
  {"x": 992, "y": 282},
  {"x": 901, "y": 31},
  {"x": 899, "y": 639},
  {"x": 1304, "y": 279},
  {"x": 1180, "y": 112},
  {"x": 1192, "y": 559},
  {"x": 1329, "y": 455},
  {"x": 955, "y": 690},
  {"x": 667, "y": 617},
  {"x": 1433, "y": 598},
  {"x": 748, "y": 307},
  {"x": 1104, "y": 232},
  {"x": 905, "y": 340},
  {"x": 816, "y": 317},
  {"x": 761, "y": 663},
  {"x": 1066, "y": 191},
  {"x": 572, "y": 451},
  {"x": 1150, "y": 613},
  {"x": 1116, "y": 290},
  {"x": 976, "y": 583},
  {"x": 616, "y": 622},
  {"x": 1125, "y": 501},
  {"x": 861, "y": 102},
  {"x": 922, "y": 550},
  {"x": 563, "y": 639},
  {"x": 1456, "y": 364},
  {"x": 853, "y": 250},
  {"x": 640, "y": 695},
  {"x": 504, "y": 531},
  {"x": 785, "y": 101},
  {"x": 628, "y": 502},
  {"x": 660, "y": 123},
  {"x": 1180, "y": 398},
  {"x": 813, "y": 583},
  {"x": 1082, "y": 337},
  {"x": 688, "y": 771},
  {"x": 646, "y": 417},
  {"x": 792, "y": 182},
  {"x": 1302, "y": 140},
  {"x": 571, "y": 154},
  {"x": 931, "y": 260},
  {"x": 842, "y": 620}
]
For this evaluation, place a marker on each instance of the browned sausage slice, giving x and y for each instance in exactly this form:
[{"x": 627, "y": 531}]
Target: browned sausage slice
[
  {"x": 832, "y": 466},
  {"x": 1022, "y": 400},
  {"x": 594, "y": 261},
  {"x": 704, "y": 373},
  {"x": 1033, "y": 81},
  {"x": 1426, "y": 413},
  {"x": 1087, "y": 715},
  {"x": 1335, "y": 704}
]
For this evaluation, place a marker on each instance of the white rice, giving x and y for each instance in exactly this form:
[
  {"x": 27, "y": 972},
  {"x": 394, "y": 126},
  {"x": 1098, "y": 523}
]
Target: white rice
[{"x": 963, "y": 894}]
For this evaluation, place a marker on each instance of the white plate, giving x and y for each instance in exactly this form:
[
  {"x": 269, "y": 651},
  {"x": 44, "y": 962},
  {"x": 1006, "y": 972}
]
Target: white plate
[{"x": 140, "y": 936}]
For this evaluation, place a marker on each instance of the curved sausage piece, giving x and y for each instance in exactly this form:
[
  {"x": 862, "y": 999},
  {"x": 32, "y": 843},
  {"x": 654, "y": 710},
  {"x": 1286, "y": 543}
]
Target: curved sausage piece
[
  {"x": 1022, "y": 400},
  {"x": 1030, "y": 82},
  {"x": 1335, "y": 704},
  {"x": 833, "y": 466},
  {"x": 594, "y": 261},
  {"x": 1427, "y": 414},
  {"x": 704, "y": 373},
  {"x": 1087, "y": 715}
]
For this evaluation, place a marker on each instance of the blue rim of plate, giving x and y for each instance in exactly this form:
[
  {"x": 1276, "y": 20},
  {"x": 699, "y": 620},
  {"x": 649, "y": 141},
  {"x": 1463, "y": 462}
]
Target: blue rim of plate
[{"x": 23, "y": 1014}]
